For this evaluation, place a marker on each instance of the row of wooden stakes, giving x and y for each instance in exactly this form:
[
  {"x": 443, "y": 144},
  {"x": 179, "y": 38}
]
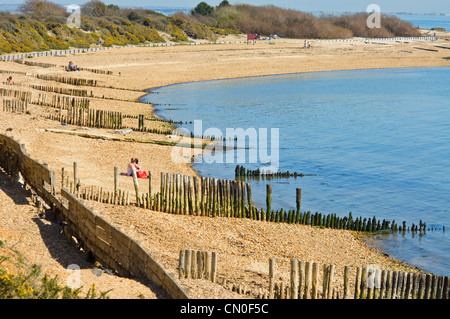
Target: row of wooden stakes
[
  {"x": 15, "y": 106},
  {"x": 89, "y": 118},
  {"x": 197, "y": 264},
  {"x": 39, "y": 64},
  {"x": 62, "y": 102},
  {"x": 23, "y": 96},
  {"x": 370, "y": 283},
  {"x": 60, "y": 90},
  {"x": 67, "y": 80}
]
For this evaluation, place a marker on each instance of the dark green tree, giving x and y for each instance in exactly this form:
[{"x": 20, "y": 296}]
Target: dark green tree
[
  {"x": 224, "y": 3},
  {"x": 203, "y": 8}
]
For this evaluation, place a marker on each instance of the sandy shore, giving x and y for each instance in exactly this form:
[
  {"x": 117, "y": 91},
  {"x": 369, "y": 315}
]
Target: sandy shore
[{"x": 244, "y": 247}]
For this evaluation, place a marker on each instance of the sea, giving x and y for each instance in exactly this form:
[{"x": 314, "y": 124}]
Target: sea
[
  {"x": 371, "y": 142},
  {"x": 427, "y": 22}
]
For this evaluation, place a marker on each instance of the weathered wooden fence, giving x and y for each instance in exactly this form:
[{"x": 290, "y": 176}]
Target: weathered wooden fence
[
  {"x": 59, "y": 90},
  {"x": 211, "y": 197},
  {"x": 197, "y": 264},
  {"x": 67, "y": 80},
  {"x": 83, "y": 116},
  {"x": 15, "y": 106},
  {"x": 111, "y": 247},
  {"x": 17, "y": 94},
  {"x": 312, "y": 280}
]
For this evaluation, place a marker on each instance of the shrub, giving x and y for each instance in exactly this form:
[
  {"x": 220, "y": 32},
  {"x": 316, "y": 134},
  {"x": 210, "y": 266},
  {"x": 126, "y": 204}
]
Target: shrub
[{"x": 28, "y": 282}]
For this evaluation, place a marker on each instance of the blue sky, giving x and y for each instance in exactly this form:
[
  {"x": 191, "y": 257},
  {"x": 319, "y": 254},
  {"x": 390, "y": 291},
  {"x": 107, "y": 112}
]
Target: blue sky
[{"x": 303, "y": 5}]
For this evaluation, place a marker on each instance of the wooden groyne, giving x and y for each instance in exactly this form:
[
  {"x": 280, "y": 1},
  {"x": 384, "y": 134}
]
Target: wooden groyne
[
  {"x": 211, "y": 197},
  {"x": 63, "y": 102},
  {"x": 59, "y": 90},
  {"x": 17, "y": 94},
  {"x": 67, "y": 80},
  {"x": 86, "y": 117},
  {"x": 15, "y": 106},
  {"x": 197, "y": 264},
  {"x": 242, "y": 172},
  {"x": 313, "y": 280}
]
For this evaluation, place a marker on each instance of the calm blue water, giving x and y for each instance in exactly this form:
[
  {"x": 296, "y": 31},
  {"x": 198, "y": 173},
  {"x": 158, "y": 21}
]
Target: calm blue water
[
  {"x": 427, "y": 21},
  {"x": 373, "y": 142}
]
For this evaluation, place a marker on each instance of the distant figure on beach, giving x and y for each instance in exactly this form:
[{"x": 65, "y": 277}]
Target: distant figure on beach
[
  {"x": 100, "y": 41},
  {"x": 309, "y": 45},
  {"x": 73, "y": 67},
  {"x": 304, "y": 45},
  {"x": 135, "y": 167},
  {"x": 9, "y": 81}
]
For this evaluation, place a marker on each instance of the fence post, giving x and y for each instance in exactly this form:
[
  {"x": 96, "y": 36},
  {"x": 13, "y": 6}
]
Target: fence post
[
  {"x": 294, "y": 279},
  {"x": 271, "y": 276},
  {"x": 213, "y": 266},
  {"x": 181, "y": 265},
  {"x": 136, "y": 187},
  {"x": 308, "y": 276}
]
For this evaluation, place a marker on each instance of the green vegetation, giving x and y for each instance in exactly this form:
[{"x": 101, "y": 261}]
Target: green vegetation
[
  {"x": 28, "y": 282},
  {"x": 42, "y": 25},
  {"x": 267, "y": 20}
]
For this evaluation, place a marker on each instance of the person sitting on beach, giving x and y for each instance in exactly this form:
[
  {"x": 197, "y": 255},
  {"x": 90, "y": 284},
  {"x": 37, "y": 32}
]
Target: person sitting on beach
[
  {"x": 9, "y": 81},
  {"x": 135, "y": 167},
  {"x": 72, "y": 67}
]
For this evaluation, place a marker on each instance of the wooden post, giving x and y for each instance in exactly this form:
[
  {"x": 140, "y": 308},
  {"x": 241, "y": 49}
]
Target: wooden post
[
  {"x": 370, "y": 282},
  {"x": 213, "y": 266},
  {"x": 294, "y": 279},
  {"x": 383, "y": 282},
  {"x": 389, "y": 278},
  {"x": 200, "y": 266},
  {"x": 181, "y": 265},
  {"x": 268, "y": 199},
  {"x": 197, "y": 193},
  {"x": 150, "y": 189},
  {"x": 194, "y": 264},
  {"x": 136, "y": 187},
  {"x": 75, "y": 173},
  {"x": 330, "y": 288},
  {"x": 301, "y": 279},
  {"x": 308, "y": 276},
  {"x": 346, "y": 282},
  {"x": 298, "y": 199},
  {"x": 249, "y": 199},
  {"x": 271, "y": 277},
  {"x": 400, "y": 284},
  {"x": 325, "y": 276},
  {"x": 116, "y": 184},
  {"x": 363, "y": 294},
  {"x": 187, "y": 263},
  {"x": 208, "y": 261},
  {"x": 315, "y": 280},
  {"x": 421, "y": 292},
  {"x": 378, "y": 283},
  {"x": 62, "y": 177}
]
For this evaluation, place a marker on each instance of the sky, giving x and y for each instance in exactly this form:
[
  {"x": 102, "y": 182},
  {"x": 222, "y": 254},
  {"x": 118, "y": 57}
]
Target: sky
[{"x": 413, "y": 6}]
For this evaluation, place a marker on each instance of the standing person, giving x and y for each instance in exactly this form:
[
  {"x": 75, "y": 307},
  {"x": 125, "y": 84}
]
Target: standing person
[{"x": 304, "y": 45}]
